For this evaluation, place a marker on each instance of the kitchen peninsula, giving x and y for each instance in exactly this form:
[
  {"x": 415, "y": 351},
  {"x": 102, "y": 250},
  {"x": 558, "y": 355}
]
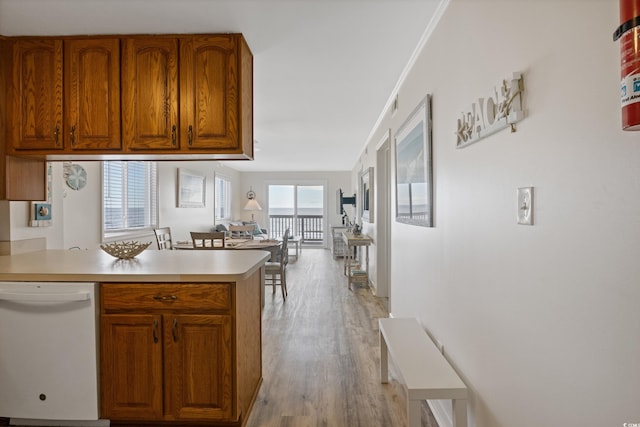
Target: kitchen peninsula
[{"x": 179, "y": 335}]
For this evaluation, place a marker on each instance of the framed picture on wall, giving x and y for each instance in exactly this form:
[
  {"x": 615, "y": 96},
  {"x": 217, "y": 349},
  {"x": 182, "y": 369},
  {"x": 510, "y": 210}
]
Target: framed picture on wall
[
  {"x": 414, "y": 182},
  {"x": 191, "y": 189},
  {"x": 366, "y": 195}
]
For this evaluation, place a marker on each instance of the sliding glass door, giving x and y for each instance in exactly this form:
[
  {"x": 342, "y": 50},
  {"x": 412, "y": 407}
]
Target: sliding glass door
[{"x": 299, "y": 208}]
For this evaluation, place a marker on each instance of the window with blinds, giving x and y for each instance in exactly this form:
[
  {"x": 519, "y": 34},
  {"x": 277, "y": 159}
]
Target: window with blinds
[
  {"x": 222, "y": 194},
  {"x": 129, "y": 196}
]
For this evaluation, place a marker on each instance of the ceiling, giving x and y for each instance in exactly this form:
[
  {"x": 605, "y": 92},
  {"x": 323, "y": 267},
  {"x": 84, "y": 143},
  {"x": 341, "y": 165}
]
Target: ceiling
[{"x": 323, "y": 69}]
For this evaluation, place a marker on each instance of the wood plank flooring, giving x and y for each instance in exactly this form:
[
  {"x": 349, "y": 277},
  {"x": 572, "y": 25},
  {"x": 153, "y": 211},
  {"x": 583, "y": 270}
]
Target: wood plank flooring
[{"x": 321, "y": 354}]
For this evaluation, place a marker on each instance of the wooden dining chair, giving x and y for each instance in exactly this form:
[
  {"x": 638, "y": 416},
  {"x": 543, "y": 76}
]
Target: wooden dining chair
[
  {"x": 163, "y": 238},
  {"x": 241, "y": 231},
  {"x": 208, "y": 240},
  {"x": 275, "y": 272}
]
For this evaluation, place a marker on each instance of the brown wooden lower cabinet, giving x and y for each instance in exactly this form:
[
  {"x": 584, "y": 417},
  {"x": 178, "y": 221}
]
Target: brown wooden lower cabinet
[
  {"x": 131, "y": 366},
  {"x": 170, "y": 352}
]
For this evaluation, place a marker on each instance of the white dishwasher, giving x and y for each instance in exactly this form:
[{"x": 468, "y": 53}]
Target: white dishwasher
[{"x": 48, "y": 351}]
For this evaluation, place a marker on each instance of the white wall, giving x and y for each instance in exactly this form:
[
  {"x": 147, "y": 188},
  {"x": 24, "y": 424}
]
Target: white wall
[
  {"x": 184, "y": 220},
  {"x": 541, "y": 321},
  {"x": 82, "y": 209}
]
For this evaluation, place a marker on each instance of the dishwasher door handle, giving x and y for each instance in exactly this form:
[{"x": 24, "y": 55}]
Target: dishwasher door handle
[{"x": 44, "y": 297}]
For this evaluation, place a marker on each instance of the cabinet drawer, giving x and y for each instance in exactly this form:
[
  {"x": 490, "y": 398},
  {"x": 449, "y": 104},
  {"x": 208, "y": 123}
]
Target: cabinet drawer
[{"x": 187, "y": 296}]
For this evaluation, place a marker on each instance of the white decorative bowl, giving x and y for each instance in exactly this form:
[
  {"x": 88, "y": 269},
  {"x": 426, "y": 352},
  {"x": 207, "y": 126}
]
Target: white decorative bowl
[{"x": 124, "y": 250}]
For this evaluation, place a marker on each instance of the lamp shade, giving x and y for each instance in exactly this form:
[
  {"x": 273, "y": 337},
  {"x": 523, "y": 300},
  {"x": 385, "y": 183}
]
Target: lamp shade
[{"x": 252, "y": 205}]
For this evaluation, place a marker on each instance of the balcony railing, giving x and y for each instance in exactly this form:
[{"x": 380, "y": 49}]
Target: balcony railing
[{"x": 309, "y": 227}]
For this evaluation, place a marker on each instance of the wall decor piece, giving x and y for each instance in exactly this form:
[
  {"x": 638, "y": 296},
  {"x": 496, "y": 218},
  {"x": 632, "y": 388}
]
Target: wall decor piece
[
  {"x": 40, "y": 214},
  {"x": 489, "y": 115},
  {"x": 251, "y": 194},
  {"x": 42, "y": 211},
  {"x": 75, "y": 176},
  {"x": 414, "y": 183},
  {"x": 191, "y": 189},
  {"x": 366, "y": 194}
]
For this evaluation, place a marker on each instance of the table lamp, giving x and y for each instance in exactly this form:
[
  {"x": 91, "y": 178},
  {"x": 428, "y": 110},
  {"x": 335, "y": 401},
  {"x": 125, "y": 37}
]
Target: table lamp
[{"x": 252, "y": 205}]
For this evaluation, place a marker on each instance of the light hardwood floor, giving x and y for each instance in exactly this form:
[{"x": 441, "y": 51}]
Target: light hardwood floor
[{"x": 321, "y": 354}]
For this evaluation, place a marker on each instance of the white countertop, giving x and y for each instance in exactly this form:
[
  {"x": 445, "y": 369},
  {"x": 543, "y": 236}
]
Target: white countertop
[{"x": 150, "y": 266}]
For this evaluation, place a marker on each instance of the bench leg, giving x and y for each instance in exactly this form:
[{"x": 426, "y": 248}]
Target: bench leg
[
  {"x": 459, "y": 412},
  {"x": 384, "y": 360},
  {"x": 415, "y": 417}
]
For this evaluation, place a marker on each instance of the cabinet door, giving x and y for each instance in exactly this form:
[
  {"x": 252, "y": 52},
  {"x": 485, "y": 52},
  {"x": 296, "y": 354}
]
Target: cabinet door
[
  {"x": 92, "y": 94},
  {"x": 36, "y": 108},
  {"x": 131, "y": 366},
  {"x": 209, "y": 92},
  {"x": 198, "y": 367},
  {"x": 150, "y": 94},
  {"x": 25, "y": 179}
]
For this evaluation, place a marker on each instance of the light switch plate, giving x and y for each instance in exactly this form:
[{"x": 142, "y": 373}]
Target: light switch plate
[{"x": 525, "y": 205}]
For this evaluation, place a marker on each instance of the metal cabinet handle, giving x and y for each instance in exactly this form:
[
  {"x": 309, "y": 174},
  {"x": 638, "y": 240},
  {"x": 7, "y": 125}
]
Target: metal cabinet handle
[
  {"x": 155, "y": 330},
  {"x": 174, "y": 330},
  {"x": 173, "y": 134},
  {"x": 190, "y": 135},
  {"x": 72, "y": 135},
  {"x": 56, "y": 134}
]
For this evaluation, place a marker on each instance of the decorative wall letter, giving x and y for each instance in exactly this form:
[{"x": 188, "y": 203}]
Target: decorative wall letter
[{"x": 490, "y": 115}]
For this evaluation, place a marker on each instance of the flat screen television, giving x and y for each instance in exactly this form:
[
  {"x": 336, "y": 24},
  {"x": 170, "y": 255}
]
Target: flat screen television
[{"x": 341, "y": 201}]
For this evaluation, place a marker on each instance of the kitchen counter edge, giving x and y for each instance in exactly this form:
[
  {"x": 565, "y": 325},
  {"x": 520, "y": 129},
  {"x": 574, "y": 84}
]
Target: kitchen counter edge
[{"x": 151, "y": 266}]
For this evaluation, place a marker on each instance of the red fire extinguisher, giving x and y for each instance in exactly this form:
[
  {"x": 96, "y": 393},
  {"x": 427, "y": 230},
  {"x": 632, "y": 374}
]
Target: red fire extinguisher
[{"x": 629, "y": 34}]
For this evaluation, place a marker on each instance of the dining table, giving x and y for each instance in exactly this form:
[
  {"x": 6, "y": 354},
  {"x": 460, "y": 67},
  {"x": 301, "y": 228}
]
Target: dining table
[{"x": 270, "y": 245}]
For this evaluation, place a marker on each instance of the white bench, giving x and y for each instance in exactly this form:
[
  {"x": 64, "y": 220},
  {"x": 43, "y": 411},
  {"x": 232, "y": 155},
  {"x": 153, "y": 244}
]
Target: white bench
[{"x": 424, "y": 370}]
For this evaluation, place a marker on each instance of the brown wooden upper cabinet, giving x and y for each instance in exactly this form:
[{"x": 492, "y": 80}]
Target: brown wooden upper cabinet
[
  {"x": 79, "y": 112},
  {"x": 35, "y": 102},
  {"x": 192, "y": 94},
  {"x": 84, "y": 97},
  {"x": 150, "y": 93},
  {"x": 20, "y": 179},
  {"x": 92, "y": 94},
  {"x": 209, "y": 92}
]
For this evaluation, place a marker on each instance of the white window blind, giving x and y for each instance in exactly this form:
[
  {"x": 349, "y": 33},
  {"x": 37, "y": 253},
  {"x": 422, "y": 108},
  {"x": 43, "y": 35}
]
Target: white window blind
[
  {"x": 222, "y": 194},
  {"x": 130, "y": 196}
]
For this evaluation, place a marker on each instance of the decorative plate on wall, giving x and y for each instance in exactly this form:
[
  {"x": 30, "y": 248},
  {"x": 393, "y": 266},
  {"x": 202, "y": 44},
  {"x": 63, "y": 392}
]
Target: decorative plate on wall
[{"x": 75, "y": 176}]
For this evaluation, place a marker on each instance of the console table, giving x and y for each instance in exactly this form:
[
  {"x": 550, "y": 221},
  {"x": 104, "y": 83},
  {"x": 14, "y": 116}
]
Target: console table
[{"x": 352, "y": 269}]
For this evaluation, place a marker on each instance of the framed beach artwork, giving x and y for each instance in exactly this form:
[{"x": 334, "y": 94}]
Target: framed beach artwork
[
  {"x": 191, "y": 189},
  {"x": 366, "y": 194},
  {"x": 414, "y": 182}
]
